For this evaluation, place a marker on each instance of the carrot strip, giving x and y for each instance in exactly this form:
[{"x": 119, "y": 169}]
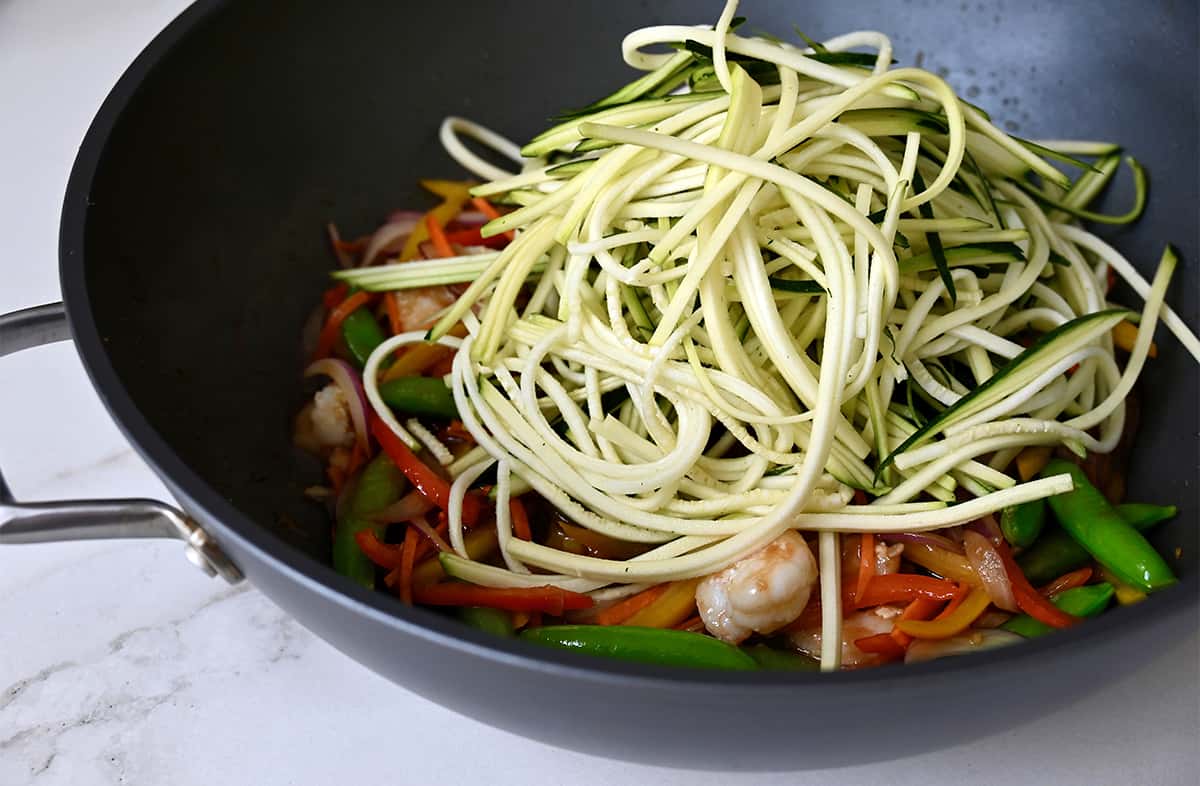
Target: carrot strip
[
  {"x": 619, "y": 612},
  {"x": 693, "y": 624},
  {"x": 552, "y": 600},
  {"x": 393, "y": 312},
  {"x": 408, "y": 558},
  {"x": 1071, "y": 580},
  {"x": 440, "y": 243},
  {"x": 485, "y": 207},
  {"x": 946, "y": 625},
  {"x": 866, "y": 567},
  {"x": 329, "y": 333},
  {"x": 520, "y": 520}
]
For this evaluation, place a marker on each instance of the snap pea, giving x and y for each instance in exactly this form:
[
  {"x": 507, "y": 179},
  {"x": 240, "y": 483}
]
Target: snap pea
[
  {"x": 420, "y": 396},
  {"x": 378, "y": 485},
  {"x": 1056, "y": 552},
  {"x": 771, "y": 659},
  {"x": 362, "y": 334},
  {"x": 1088, "y": 517},
  {"x": 657, "y": 646},
  {"x": 1021, "y": 524},
  {"x": 1142, "y": 515},
  {"x": 1087, "y": 601},
  {"x": 495, "y": 621}
]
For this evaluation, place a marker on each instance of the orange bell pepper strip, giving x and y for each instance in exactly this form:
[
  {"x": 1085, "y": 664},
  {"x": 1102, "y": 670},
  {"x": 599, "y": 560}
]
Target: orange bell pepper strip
[
  {"x": 676, "y": 604},
  {"x": 619, "y": 612}
]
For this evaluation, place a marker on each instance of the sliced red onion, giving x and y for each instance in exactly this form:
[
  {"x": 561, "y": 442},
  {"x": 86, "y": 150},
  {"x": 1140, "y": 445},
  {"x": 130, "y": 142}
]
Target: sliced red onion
[
  {"x": 925, "y": 538},
  {"x": 986, "y": 562},
  {"x": 393, "y": 233},
  {"x": 347, "y": 378},
  {"x": 409, "y": 507},
  {"x": 335, "y": 240},
  {"x": 434, "y": 538},
  {"x": 410, "y": 217},
  {"x": 988, "y": 527},
  {"x": 963, "y": 643},
  {"x": 471, "y": 218}
]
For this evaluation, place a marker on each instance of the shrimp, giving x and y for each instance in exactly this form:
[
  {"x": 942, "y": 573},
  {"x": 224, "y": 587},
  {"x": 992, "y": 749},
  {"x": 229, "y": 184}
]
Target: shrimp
[
  {"x": 858, "y": 625},
  {"x": 324, "y": 424},
  {"x": 760, "y": 593},
  {"x": 418, "y": 307}
]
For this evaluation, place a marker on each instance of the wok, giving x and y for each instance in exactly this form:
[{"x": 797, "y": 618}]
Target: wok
[{"x": 192, "y": 251}]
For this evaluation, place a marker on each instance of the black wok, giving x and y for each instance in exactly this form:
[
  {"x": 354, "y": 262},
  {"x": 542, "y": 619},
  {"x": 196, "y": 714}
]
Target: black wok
[{"x": 192, "y": 251}]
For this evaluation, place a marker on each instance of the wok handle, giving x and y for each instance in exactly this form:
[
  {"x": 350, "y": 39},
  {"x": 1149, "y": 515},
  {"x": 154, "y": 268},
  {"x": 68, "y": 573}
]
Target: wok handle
[{"x": 93, "y": 519}]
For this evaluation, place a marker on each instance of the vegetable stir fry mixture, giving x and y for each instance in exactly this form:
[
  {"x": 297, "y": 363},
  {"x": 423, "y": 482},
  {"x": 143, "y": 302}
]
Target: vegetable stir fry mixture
[{"x": 777, "y": 357}]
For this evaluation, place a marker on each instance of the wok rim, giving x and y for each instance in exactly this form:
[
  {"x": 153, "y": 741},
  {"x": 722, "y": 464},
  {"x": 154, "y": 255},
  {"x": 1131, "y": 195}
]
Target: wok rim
[{"x": 210, "y": 506}]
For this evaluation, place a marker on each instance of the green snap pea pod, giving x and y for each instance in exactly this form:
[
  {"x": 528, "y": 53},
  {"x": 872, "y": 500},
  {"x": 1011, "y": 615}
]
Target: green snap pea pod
[
  {"x": 362, "y": 334},
  {"x": 773, "y": 659},
  {"x": 378, "y": 485},
  {"x": 658, "y": 646},
  {"x": 1087, "y": 601},
  {"x": 419, "y": 396},
  {"x": 1056, "y": 552},
  {"x": 1088, "y": 518},
  {"x": 1143, "y": 515},
  {"x": 1021, "y": 524},
  {"x": 494, "y": 621}
]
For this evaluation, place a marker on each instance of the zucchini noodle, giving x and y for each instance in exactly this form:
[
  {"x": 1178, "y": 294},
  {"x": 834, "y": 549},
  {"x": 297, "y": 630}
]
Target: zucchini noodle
[{"x": 738, "y": 296}]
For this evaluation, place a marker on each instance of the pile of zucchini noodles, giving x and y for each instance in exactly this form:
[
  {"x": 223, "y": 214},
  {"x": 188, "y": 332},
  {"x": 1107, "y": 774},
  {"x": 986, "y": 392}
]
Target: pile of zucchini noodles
[{"x": 724, "y": 276}]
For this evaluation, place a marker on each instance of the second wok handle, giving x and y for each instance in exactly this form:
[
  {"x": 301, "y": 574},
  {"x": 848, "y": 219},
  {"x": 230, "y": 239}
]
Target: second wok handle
[{"x": 92, "y": 519}]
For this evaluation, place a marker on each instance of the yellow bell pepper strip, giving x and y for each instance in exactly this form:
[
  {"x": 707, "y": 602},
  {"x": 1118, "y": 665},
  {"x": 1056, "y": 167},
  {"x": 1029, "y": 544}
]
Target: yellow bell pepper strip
[
  {"x": 1033, "y": 460},
  {"x": 674, "y": 606},
  {"x": 1126, "y": 595},
  {"x": 1125, "y": 336},
  {"x": 944, "y": 563},
  {"x": 953, "y": 623},
  {"x": 480, "y": 544},
  {"x": 454, "y": 195}
]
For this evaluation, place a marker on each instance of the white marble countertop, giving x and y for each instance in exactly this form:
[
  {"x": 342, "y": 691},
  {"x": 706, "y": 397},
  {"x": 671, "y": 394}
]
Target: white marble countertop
[{"x": 120, "y": 664}]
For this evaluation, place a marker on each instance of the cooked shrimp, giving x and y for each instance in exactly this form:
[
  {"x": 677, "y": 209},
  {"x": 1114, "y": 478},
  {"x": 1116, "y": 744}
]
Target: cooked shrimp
[
  {"x": 418, "y": 307},
  {"x": 855, "y": 626},
  {"x": 760, "y": 593},
  {"x": 325, "y": 424}
]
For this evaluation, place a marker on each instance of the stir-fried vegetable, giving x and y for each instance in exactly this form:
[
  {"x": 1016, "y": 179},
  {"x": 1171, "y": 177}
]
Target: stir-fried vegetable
[{"x": 777, "y": 342}]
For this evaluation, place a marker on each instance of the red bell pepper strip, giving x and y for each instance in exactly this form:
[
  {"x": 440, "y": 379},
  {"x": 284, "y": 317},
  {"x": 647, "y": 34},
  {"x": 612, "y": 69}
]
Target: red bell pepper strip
[
  {"x": 904, "y": 587},
  {"x": 431, "y": 486},
  {"x": 520, "y": 519},
  {"x": 471, "y": 236},
  {"x": 552, "y": 600},
  {"x": 881, "y": 644},
  {"x": 385, "y": 555},
  {"x": 1029, "y": 600},
  {"x": 334, "y": 295}
]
